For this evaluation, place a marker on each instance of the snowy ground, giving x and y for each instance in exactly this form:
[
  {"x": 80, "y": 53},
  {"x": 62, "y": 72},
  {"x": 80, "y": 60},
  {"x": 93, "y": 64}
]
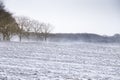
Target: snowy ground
[{"x": 58, "y": 61}]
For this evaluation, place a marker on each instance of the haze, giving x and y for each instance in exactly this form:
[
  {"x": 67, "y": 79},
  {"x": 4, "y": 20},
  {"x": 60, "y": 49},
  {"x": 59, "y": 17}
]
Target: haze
[{"x": 72, "y": 16}]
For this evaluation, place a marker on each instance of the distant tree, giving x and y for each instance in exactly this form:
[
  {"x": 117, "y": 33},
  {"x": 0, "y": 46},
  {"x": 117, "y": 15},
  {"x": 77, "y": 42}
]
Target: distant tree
[
  {"x": 8, "y": 25},
  {"x": 24, "y": 23},
  {"x": 27, "y": 26},
  {"x": 46, "y": 30},
  {"x": 40, "y": 29},
  {"x": 36, "y": 28}
]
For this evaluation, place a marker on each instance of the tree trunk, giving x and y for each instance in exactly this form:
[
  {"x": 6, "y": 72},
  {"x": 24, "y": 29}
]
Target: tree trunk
[
  {"x": 45, "y": 38},
  {"x": 20, "y": 37},
  {"x": 6, "y": 37}
]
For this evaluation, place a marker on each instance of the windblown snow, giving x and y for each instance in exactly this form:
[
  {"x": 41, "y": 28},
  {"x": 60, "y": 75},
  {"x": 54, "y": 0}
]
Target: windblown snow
[{"x": 59, "y": 61}]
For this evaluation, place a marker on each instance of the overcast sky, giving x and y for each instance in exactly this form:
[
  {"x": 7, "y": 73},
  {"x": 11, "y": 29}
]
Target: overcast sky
[{"x": 72, "y": 16}]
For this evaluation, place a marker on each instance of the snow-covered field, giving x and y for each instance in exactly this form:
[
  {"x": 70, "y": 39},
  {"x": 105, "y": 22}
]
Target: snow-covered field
[{"x": 59, "y": 61}]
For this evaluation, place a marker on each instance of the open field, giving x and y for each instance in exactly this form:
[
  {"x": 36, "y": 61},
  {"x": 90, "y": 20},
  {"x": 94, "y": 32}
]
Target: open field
[{"x": 59, "y": 61}]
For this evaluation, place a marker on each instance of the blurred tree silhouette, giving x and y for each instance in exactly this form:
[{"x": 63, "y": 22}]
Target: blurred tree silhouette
[{"x": 8, "y": 25}]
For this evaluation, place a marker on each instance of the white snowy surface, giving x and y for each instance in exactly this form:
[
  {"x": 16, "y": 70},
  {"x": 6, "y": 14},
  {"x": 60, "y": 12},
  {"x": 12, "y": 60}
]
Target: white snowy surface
[{"x": 59, "y": 61}]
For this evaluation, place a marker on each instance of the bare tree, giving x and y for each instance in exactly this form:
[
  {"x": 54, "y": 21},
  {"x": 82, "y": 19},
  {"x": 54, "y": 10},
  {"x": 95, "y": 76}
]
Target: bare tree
[
  {"x": 40, "y": 29},
  {"x": 37, "y": 28},
  {"x": 27, "y": 26},
  {"x": 46, "y": 30},
  {"x": 24, "y": 24}
]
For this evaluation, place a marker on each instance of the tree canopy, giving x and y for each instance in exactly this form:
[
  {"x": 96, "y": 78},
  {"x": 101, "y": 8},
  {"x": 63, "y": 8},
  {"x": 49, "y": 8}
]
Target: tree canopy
[{"x": 8, "y": 25}]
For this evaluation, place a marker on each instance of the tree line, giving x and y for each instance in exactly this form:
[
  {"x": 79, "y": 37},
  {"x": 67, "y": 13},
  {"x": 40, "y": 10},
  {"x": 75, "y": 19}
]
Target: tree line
[{"x": 21, "y": 26}]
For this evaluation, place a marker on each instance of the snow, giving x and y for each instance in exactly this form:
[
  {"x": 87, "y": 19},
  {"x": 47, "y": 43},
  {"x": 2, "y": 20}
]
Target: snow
[{"x": 59, "y": 61}]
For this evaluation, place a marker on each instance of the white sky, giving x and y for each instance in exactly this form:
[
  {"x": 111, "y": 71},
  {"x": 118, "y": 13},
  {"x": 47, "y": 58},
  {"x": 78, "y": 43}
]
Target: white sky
[{"x": 72, "y": 16}]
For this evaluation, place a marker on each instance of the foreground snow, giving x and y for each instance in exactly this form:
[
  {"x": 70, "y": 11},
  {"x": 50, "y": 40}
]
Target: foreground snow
[{"x": 59, "y": 61}]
